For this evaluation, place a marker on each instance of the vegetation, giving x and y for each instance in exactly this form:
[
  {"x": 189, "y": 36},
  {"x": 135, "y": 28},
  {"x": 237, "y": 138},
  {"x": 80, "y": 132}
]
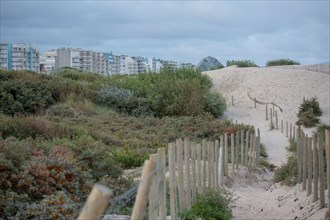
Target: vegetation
[
  {"x": 281, "y": 62},
  {"x": 309, "y": 111},
  {"x": 216, "y": 67},
  {"x": 288, "y": 172},
  {"x": 241, "y": 63},
  {"x": 212, "y": 204},
  {"x": 60, "y": 134}
]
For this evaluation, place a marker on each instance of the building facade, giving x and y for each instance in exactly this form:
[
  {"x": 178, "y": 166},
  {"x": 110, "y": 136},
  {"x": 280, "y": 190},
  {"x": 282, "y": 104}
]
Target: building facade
[
  {"x": 19, "y": 57},
  {"x": 47, "y": 61}
]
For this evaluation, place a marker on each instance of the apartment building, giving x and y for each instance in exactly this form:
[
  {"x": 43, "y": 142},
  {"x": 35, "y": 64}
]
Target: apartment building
[
  {"x": 47, "y": 61},
  {"x": 19, "y": 57},
  {"x": 82, "y": 59}
]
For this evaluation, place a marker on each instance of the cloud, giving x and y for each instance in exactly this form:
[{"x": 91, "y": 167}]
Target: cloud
[{"x": 177, "y": 30}]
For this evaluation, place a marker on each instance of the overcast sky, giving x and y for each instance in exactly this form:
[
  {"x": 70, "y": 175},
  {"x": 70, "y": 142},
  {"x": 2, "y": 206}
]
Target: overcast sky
[{"x": 174, "y": 30}]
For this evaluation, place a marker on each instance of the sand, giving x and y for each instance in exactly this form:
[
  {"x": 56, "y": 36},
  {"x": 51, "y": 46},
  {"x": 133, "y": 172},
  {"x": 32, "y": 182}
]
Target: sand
[{"x": 261, "y": 199}]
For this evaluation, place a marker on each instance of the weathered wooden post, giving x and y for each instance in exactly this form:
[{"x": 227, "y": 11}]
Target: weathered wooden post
[
  {"x": 226, "y": 156},
  {"x": 162, "y": 182},
  {"x": 304, "y": 167},
  {"x": 237, "y": 149},
  {"x": 258, "y": 148},
  {"x": 153, "y": 191},
  {"x": 96, "y": 203},
  {"x": 282, "y": 126},
  {"x": 242, "y": 147},
  {"x": 315, "y": 169},
  {"x": 247, "y": 142},
  {"x": 287, "y": 129},
  {"x": 266, "y": 112},
  {"x": 143, "y": 190},
  {"x": 221, "y": 161},
  {"x": 179, "y": 160},
  {"x": 255, "y": 102},
  {"x": 204, "y": 158},
  {"x": 199, "y": 169},
  {"x": 232, "y": 140},
  {"x": 327, "y": 144},
  {"x": 210, "y": 165},
  {"x": 310, "y": 166},
  {"x": 216, "y": 161},
  {"x": 276, "y": 121},
  {"x": 290, "y": 131},
  {"x": 187, "y": 172},
  {"x": 232, "y": 100},
  {"x": 271, "y": 116},
  {"x": 194, "y": 173},
  {"x": 173, "y": 195},
  {"x": 299, "y": 158},
  {"x": 321, "y": 169}
]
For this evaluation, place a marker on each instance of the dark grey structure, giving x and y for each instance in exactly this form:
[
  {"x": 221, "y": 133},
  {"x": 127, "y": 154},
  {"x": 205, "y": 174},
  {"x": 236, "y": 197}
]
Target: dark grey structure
[{"x": 209, "y": 63}]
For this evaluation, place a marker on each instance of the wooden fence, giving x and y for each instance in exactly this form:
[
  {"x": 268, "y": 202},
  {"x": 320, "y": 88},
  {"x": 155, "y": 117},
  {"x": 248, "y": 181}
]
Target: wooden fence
[{"x": 192, "y": 167}]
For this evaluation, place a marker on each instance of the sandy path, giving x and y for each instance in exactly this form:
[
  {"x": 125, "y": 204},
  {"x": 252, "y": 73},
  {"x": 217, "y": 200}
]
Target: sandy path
[{"x": 260, "y": 199}]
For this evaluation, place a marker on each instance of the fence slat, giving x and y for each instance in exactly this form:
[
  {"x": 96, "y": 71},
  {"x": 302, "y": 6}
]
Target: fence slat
[
  {"x": 216, "y": 161},
  {"x": 232, "y": 152},
  {"x": 193, "y": 171},
  {"x": 204, "y": 157},
  {"x": 96, "y": 203},
  {"x": 304, "y": 163},
  {"x": 242, "y": 147},
  {"x": 226, "y": 156},
  {"x": 179, "y": 159},
  {"x": 258, "y": 148},
  {"x": 237, "y": 149},
  {"x": 209, "y": 163},
  {"x": 299, "y": 155},
  {"x": 143, "y": 190},
  {"x": 327, "y": 144},
  {"x": 321, "y": 169},
  {"x": 221, "y": 161},
  {"x": 247, "y": 148},
  {"x": 199, "y": 169},
  {"x": 187, "y": 172},
  {"x": 153, "y": 191},
  {"x": 162, "y": 182},
  {"x": 173, "y": 195},
  {"x": 315, "y": 170},
  {"x": 310, "y": 166}
]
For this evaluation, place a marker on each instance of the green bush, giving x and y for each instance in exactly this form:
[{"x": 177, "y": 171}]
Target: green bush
[
  {"x": 215, "y": 104},
  {"x": 241, "y": 63},
  {"x": 212, "y": 204},
  {"x": 281, "y": 62},
  {"x": 309, "y": 111}
]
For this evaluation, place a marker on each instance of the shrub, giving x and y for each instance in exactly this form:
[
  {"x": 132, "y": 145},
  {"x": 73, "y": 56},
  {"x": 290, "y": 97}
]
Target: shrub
[
  {"x": 212, "y": 204},
  {"x": 241, "y": 63},
  {"x": 309, "y": 111},
  {"x": 215, "y": 104},
  {"x": 281, "y": 62}
]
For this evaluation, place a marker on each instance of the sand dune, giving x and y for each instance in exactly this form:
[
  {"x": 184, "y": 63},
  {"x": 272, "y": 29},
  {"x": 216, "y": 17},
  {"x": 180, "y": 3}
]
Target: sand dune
[{"x": 286, "y": 88}]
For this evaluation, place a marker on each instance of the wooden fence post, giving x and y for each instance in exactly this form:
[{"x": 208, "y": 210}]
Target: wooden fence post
[
  {"x": 216, "y": 161},
  {"x": 210, "y": 165},
  {"x": 251, "y": 149},
  {"x": 221, "y": 161},
  {"x": 96, "y": 203},
  {"x": 299, "y": 155},
  {"x": 327, "y": 144},
  {"x": 266, "y": 112},
  {"x": 162, "y": 182},
  {"x": 153, "y": 191},
  {"x": 304, "y": 167},
  {"x": 173, "y": 195},
  {"x": 276, "y": 121},
  {"x": 187, "y": 173},
  {"x": 237, "y": 149},
  {"x": 310, "y": 166},
  {"x": 321, "y": 169},
  {"x": 315, "y": 169},
  {"x": 143, "y": 190},
  {"x": 232, "y": 100},
  {"x": 271, "y": 116},
  {"x": 290, "y": 131},
  {"x": 180, "y": 174},
  {"x": 232, "y": 140},
  {"x": 294, "y": 134},
  {"x": 258, "y": 148},
  {"x": 255, "y": 102},
  {"x": 282, "y": 126},
  {"x": 242, "y": 147},
  {"x": 199, "y": 169},
  {"x": 226, "y": 156},
  {"x": 204, "y": 157},
  {"x": 194, "y": 176},
  {"x": 246, "y": 162}
]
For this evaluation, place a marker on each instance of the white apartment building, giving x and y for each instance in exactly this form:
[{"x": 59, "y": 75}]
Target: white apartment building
[
  {"x": 128, "y": 65},
  {"x": 47, "y": 61},
  {"x": 19, "y": 57}
]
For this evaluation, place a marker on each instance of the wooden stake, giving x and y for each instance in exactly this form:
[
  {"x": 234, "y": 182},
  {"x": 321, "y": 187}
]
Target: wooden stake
[
  {"x": 232, "y": 100},
  {"x": 187, "y": 172},
  {"x": 199, "y": 169},
  {"x": 143, "y": 190},
  {"x": 304, "y": 167},
  {"x": 237, "y": 149},
  {"x": 315, "y": 170},
  {"x": 232, "y": 142},
  {"x": 226, "y": 156},
  {"x": 266, "y": 112},
  {"x": 321, "y": 169},
  {"x": 327, "y": 144},
  {"x": 216, "y": 161},
  {"x": 246, "y": 162},
  {"x": 276, "y": 121},
  {"x": 96, "y": 203},
  {"x": 287, "y": 129},
  {"x": 179, "y": 160},
  {"x": 242, "y": 147},
  {"x": 221, "y": 161},
  {"x": 162, "y": 182},
  {"x": 153, "y": 191},
  {"x": 310, "y": 166},
  {"x": 173, "y": 195},
  {"x": 204, "y": 158},
  {"x": 194, "y": 176},
  {"x": 282, "y": 126}
]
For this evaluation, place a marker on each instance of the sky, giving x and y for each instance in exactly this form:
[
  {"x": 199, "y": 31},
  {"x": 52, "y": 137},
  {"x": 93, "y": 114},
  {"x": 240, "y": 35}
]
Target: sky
[{"x": 175, "y": 30}]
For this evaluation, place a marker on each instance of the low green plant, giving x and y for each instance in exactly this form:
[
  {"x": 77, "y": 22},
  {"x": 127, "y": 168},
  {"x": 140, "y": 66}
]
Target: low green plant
[
  {"x": 309, "y": 111},
  {"x": 241, "y": 63},
  {"x": 281, "y": 62},
  {"x": 215, "y": 104},
  {"x": 213, "y": 204},
  {"x": 288, "y": 173}
]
